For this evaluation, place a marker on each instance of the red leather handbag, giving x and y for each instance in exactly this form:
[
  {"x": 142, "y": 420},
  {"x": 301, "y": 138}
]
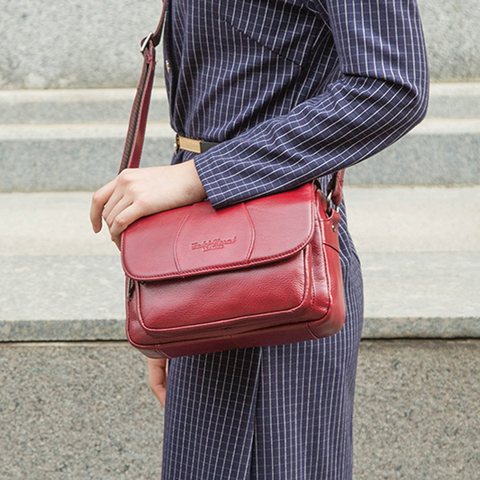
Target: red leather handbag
[{"x": 262, "y": 272}]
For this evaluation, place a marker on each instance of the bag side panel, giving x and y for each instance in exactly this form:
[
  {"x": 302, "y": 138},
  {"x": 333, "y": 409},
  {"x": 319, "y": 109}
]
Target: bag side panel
[{"x": 328, "y": 282}]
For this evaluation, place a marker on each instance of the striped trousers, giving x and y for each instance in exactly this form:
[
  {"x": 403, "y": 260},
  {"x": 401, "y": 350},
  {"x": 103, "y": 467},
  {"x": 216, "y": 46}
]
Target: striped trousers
[{"x": 267, "y": 413}]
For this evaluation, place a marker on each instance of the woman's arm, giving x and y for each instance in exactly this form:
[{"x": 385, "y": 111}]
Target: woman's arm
[{"x": 379, "y": 94}]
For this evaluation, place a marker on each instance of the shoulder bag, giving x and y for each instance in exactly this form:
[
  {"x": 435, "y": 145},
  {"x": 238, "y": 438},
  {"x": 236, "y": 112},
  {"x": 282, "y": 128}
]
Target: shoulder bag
[{"x": 200, "y": 280}]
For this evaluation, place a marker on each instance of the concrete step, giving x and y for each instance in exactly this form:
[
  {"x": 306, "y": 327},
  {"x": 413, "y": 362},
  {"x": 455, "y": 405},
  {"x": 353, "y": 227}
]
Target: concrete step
[
  {"x": 63, "y": 348},
  {"x": 381, "y": 220},
  {"x": 73, "y": 140},
  {"x": 84, "y": 157},
  {"x": 64, "y": 283},
  {"x": 437, "y": 152},
  {"x": 72, "y": 157},
  {"x": 60, "y": 106},
  {"x": 454, "y": 100},
  {"x": 407, "y": 295},
  {"x": 113, "y": 105}
]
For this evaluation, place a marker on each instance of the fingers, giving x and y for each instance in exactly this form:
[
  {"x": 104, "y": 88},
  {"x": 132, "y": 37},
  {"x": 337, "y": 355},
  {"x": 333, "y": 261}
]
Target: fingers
[
  {"x": 139, "y": 192},
  {"x": 114, "y": 207},
  {"x": 99, "y": 199},
  {"x": 157, "y": 374},
  {"x": 118, "y": 242},
  {"x": 112, "y": 202},
  {"x": 126, "y": 217}
]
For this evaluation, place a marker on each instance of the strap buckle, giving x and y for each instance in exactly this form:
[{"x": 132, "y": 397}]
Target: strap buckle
[
  {"x": 144, "y": 44},
  {"x": 329, "y": 196},
  {"x": 330, "y": 205}
]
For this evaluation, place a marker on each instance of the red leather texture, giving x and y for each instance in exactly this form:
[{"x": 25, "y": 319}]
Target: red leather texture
[
  {"x": 200, "y": 280},
  {"x": 263, "y": 272},
  {"x": 132, "y": 151},
  {"x": 199, "y": 239}
]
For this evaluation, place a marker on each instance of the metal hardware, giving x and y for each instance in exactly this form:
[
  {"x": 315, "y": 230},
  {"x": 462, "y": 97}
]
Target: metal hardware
[
  {"x": 144, "y": 44},
  {"x": 189, "y": 144},
  {"x": 329, "y": 202},
  {"x": 333, "y": 228}
]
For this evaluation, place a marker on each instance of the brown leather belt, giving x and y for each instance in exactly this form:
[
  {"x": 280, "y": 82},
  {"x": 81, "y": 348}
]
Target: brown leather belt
[{"x": 190, "y": 145}]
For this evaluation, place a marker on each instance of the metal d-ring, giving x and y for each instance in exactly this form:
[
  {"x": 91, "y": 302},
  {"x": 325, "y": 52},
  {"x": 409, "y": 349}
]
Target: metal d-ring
[{"x": 329, "y": 202}]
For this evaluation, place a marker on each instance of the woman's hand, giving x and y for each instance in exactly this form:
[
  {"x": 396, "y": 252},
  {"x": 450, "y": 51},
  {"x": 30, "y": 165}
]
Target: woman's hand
[
  {"x": 137, "y": 192},
  {"x": 157, "y": 375}
]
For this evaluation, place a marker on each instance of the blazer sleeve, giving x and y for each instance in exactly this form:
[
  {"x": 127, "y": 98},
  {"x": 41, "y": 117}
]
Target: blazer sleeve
[{"x": 380, "y": 94}]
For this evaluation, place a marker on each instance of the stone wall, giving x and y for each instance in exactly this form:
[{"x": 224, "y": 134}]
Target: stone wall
[{"x": 88, "y": 44}]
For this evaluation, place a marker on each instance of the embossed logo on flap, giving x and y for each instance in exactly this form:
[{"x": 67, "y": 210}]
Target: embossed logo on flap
[{"x": 214, "y": 244}]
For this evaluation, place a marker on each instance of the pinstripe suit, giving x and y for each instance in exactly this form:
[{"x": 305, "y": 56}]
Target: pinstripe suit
[{"x": 294, "y": 89}]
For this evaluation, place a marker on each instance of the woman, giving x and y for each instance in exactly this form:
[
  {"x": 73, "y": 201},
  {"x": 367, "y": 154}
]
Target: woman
[{"x": 292, "y": 90}]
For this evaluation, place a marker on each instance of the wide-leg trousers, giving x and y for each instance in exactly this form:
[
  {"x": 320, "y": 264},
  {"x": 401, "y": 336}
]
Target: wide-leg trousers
[{"x": 268, "y": 413}]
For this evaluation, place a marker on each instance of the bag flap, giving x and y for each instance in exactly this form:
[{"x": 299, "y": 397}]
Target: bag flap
[{"x": 197, "y": 239}]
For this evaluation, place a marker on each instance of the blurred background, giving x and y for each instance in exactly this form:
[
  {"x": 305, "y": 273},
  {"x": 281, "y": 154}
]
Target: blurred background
[{"x": 74, "y": 397}]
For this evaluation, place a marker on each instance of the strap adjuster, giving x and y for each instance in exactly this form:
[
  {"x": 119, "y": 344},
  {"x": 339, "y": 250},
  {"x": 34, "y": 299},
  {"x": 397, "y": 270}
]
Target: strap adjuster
[{"x": 144, "y": 44}]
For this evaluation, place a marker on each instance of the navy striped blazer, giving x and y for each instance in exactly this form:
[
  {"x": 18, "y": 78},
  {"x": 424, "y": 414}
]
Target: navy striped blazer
[{"x": 293, "y": 90}]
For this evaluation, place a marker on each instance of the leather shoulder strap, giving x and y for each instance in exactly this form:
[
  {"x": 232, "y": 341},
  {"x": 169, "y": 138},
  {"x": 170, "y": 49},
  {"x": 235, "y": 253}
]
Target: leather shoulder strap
[{"x": 132, "y": 151}]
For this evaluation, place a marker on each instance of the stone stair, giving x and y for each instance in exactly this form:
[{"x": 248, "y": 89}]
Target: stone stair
[
  {"x": 65, "y": 283},
  {"x": 61, "y": 290},
  {"x": 62, "y": 341},
  {"x": 88, "y": 128},
  {"x": 56, "y": 143},
  {"x": 74, "y": 398}
]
